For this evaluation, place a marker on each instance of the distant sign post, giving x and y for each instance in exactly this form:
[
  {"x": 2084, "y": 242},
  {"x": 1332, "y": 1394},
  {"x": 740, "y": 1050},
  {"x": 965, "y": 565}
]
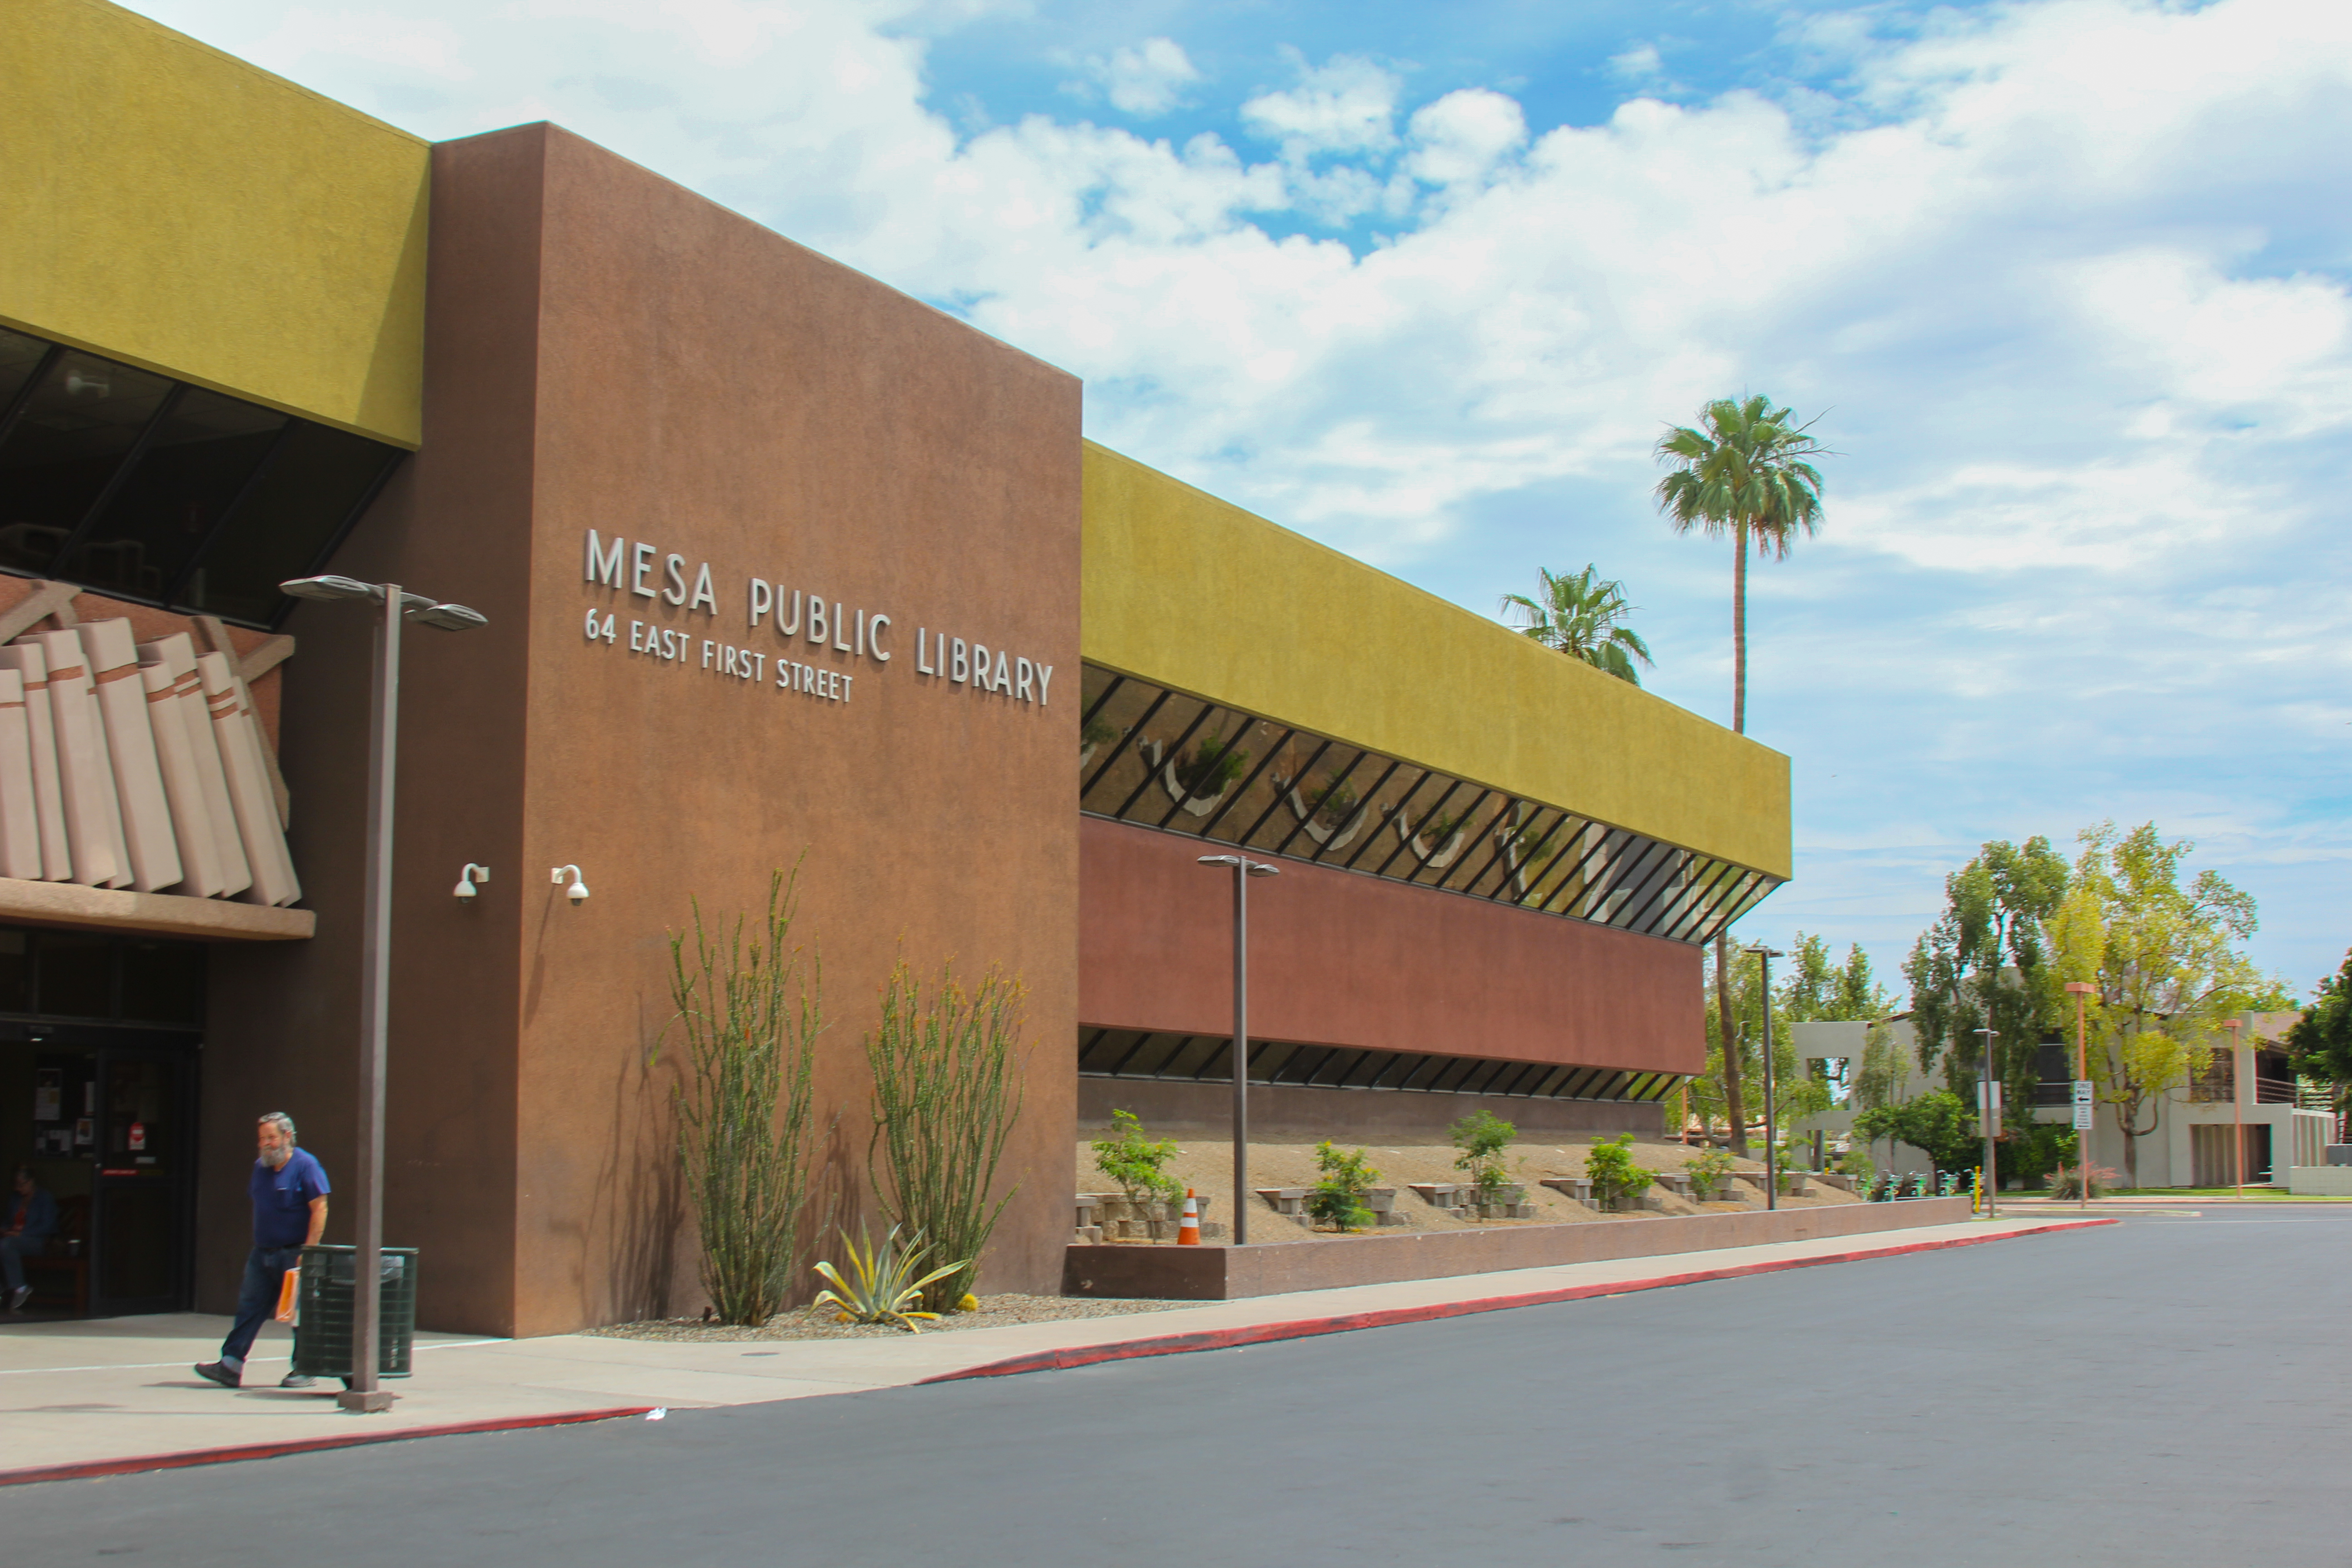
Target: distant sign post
[{"x": 2081, "y": 991}]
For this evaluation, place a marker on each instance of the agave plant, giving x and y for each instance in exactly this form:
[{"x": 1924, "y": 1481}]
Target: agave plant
[{"x": 882, "y": 1285}]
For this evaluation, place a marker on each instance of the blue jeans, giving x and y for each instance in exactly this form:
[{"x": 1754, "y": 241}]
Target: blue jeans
[
  {"x": 256, "y": 1299},
  {"x": 14, "y": 1250}
]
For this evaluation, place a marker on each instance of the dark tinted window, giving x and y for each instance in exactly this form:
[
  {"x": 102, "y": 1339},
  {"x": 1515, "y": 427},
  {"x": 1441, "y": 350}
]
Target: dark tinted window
[
  {"x": 77, "y": 976},
  {"x": 153, "y": 490},
  {"x": 20, "y": 356},
  {"x": 16, "y": 972},
  {"x": 195, "y": 465},
  {"x": 162, "y": 982},
  {"x": 313, "y": 481},
  {"x": 67, "y": 442}
]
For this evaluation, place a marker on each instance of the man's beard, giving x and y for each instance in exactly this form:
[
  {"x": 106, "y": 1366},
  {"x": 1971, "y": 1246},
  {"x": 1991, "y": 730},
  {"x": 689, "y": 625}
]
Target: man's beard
[{"x": 276, "y": 1159}]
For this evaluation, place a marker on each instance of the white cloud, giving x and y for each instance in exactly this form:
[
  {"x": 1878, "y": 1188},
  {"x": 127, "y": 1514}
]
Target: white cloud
[
  {"x": 1639, "y": 64},
  {"x": 1346, "y": 105},
  {"x": 1148, "y": 80}
]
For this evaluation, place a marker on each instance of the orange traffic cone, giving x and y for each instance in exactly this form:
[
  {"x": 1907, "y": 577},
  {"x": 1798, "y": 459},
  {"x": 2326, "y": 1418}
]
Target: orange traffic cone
[{"x": 1188, "y": 1229}]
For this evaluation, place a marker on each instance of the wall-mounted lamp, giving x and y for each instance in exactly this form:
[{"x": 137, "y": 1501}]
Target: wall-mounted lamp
[
  {"x": 469, "y": 877},
  {"x": 578, "y": 891}
]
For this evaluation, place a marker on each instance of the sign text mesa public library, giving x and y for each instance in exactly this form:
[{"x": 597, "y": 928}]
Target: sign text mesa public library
[{"x": 780, "y": 566}]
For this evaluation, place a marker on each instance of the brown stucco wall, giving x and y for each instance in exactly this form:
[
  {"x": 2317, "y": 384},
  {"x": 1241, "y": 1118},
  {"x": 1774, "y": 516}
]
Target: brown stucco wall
[
  {"x": 608, "y": 350},
  {"x": 1338, "y": 958},
  {"x": 1230, "y": 1273}
]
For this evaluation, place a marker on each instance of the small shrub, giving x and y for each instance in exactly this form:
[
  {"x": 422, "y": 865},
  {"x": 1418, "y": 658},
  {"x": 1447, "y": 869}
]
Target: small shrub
[
  {"x": 1135, "y": 1162},
  {"x": 1610, "y": 1165},
  {"x": 882, "y": 1285},
  {"x": 1855, "y": 1164},
  {"x": 2068, "y": 1183},
  {"x": 1339, "y": 1197},
  {"x": 1485, "y": 1141},
  {"x": 1706, "y": 1170}
]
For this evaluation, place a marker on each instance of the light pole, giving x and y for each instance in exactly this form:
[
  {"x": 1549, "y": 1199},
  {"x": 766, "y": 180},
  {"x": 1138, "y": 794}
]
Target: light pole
[
  {"x": 392, "y": 607},
  {"x": 1243, "y": 870},
  {"x": 1988, "y": 1111},
  {"x": 1764, "y": 957},
  {"x": 2237, "y": 1109},
  {"x": 2085, "y": 1125}
]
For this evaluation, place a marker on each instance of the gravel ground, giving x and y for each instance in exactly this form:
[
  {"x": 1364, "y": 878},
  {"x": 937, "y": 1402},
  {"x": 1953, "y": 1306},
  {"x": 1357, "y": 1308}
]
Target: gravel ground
[{"x": 802, "y": 1323}]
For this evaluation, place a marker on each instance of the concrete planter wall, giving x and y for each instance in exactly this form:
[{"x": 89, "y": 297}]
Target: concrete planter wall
[{"x": 1228, "y": 1273}]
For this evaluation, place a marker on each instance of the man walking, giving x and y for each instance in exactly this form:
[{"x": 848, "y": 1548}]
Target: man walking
[{"x": 289, "y": 1213}]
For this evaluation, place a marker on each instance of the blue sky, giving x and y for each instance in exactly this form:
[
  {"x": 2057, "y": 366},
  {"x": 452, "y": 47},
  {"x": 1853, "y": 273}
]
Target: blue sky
[{"x": 2065, "y": 283}]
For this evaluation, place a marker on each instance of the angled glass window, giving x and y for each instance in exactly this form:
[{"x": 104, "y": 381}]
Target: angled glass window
[
  {"x": 20, "y": 361},
  {"x": 1161, "y": 759},
  {"x": 1208, "y": 1058},
  {"x": 200, "y": 460},
  {"x": 315, "y": 481},
  {"x": 151, "y": 490},
  {"x": 65, "y": 449}
]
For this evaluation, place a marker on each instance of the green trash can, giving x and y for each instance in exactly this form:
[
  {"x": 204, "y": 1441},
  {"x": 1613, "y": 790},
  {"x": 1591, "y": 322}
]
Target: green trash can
[{"x": 323, "y": 1320}]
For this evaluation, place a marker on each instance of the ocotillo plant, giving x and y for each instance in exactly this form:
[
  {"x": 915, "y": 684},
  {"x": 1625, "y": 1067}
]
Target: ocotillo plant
[
  {"x": 946, "y": 1093},
  {"x": 749, "y": 1022}
]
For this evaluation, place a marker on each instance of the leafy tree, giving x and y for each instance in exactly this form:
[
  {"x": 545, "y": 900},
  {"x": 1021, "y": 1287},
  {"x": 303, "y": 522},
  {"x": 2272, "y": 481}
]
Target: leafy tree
[
  {"x": 1136, "y": 1162},
  {"x": 1984, "y": 963},
  {"x": 2321, "y": 1040},
  {"x": 1714, "y": 1093},
  {"x": 1610, "y": 1168},
  {"x": 1338, "y": 1198},
  {"x": 1743, "y": 470},
  {"x": 1484, "y": 1140},
  {"x": 2163, "y": 960},
  {"x": 1584, "y": 618},
  {"x": 1819, "y": 990},
  {"x": 1940, "y": 1125}
]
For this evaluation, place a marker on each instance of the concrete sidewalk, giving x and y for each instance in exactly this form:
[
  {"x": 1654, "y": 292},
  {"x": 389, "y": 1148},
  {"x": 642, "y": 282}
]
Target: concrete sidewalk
[{"x": 117, "y": 1395}]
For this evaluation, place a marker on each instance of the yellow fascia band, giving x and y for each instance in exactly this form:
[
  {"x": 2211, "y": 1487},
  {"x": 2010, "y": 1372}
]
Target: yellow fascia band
[
  {"x": 1190, "y": 591},
  {"x": 178, "y": 208}
]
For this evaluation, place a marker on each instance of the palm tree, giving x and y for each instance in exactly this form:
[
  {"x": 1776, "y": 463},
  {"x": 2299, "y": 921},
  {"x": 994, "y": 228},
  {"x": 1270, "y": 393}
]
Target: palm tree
[
  {"x": 1742, "y": 471},
  {"x": 1585, "y": 619}
]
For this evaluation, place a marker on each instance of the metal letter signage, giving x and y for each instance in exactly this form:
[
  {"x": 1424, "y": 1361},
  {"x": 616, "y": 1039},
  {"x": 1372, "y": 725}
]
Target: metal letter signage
[{"x": 836, "y": 630}]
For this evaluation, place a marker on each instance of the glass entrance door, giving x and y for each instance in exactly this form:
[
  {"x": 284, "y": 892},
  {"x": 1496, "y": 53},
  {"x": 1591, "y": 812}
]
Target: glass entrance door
[{"x": 143, "y": 1213}]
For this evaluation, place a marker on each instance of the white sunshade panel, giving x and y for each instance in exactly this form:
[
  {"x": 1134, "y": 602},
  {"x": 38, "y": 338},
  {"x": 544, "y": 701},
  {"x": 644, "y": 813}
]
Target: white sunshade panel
[{"x": 138, "y": 766}]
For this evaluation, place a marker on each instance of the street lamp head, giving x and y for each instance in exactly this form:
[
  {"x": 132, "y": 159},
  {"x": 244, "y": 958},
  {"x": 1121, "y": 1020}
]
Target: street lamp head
[
  {"x": 1760, "y": 950},
  {"x": 450, "y": 618},
  {"x": 416, "y": 608},
  {"x": 1259, "y": 869},
  {"x": 1240, "y": 862},
  {"x": 331, "y": 587},
  {"x": 1222, "y": 860}
]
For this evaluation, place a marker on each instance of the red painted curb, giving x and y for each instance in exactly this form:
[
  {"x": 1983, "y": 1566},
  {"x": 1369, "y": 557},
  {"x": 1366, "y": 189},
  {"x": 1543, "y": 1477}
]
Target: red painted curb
[
  {"x": 97, "y": 1469},
  {"x": 1306, "y": 1328}
]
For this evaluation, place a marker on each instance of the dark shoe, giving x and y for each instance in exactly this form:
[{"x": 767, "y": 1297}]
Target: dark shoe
[
  {"x": 298, "y": 1379},
  {"x": 213, "y": 1372},
  {"x": 18, "y": 1297}
]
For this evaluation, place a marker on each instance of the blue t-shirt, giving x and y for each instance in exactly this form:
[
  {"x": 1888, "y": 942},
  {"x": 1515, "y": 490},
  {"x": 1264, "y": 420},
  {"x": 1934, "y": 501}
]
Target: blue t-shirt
[{"x": 281, "y": 1199}]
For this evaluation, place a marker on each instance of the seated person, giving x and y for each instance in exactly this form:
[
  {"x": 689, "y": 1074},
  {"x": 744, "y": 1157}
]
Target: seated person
[{"x": 31, "y": 1218}]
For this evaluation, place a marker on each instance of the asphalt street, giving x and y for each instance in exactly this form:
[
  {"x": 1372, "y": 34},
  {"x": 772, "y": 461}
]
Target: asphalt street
[{"x": 2169, "y": 1390}]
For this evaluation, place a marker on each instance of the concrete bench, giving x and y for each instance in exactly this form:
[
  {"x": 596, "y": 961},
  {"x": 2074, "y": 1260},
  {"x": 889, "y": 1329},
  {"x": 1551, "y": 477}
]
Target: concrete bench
[
  {"x": 1291, "y": 1201},
  {"x": 1576, "y": 1187},
  {"x": 1438, "y": 1194}
]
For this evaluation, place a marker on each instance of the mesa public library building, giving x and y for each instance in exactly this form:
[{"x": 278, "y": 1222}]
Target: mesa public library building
[{"x": 780, "y": 566}]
